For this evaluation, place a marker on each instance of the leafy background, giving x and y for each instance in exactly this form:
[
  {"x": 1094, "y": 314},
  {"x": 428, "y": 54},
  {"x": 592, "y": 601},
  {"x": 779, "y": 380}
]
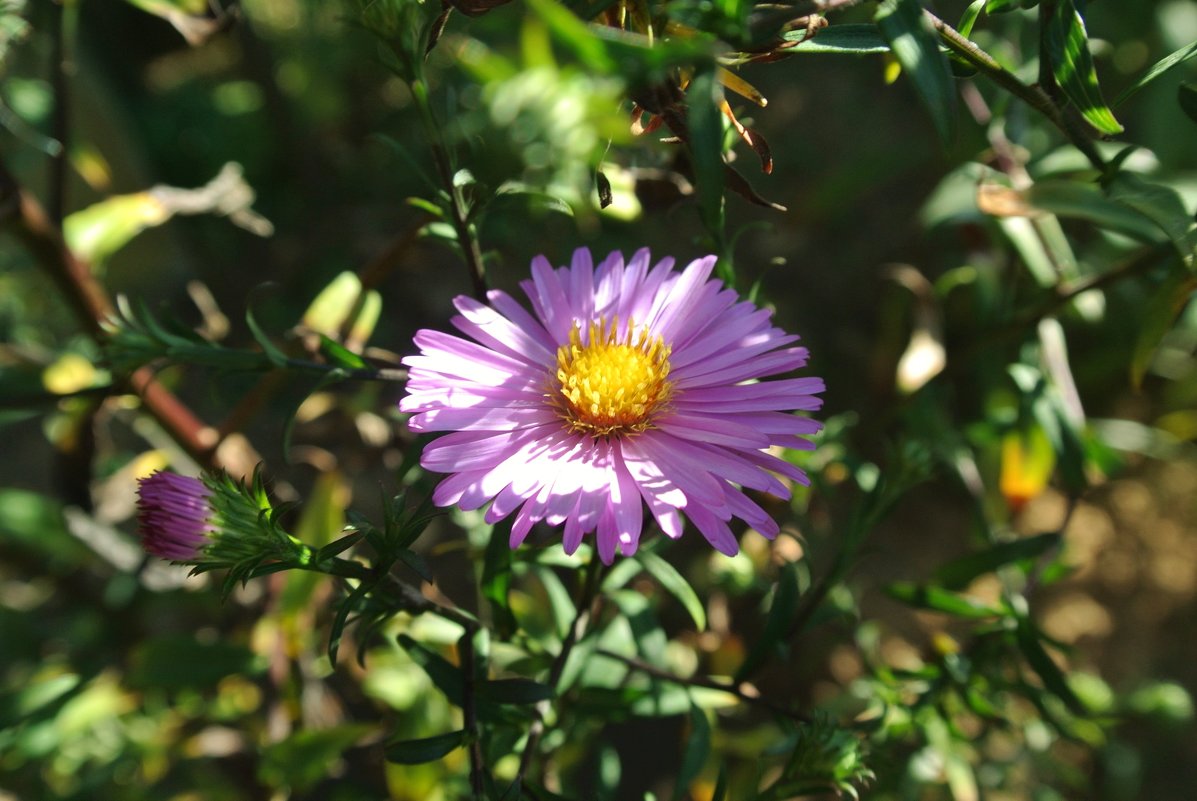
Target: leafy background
[{"x": 1048, "y": 465}]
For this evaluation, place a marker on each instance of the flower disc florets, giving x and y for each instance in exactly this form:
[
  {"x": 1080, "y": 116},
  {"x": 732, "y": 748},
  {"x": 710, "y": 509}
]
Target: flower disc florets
[
  {"x": 614, "y": 381},
  {"x": 568, "y": 415}
]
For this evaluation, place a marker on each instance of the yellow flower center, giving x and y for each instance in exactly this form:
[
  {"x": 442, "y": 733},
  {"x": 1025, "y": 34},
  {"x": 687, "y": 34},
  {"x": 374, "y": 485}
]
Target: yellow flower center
[{"x": 614, "y": 382}]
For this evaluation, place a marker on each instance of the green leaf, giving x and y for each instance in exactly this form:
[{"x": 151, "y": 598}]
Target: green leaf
[
  {"x": 937, "y": 599},
  {"x": 1046, "y": 668},
  {"x": 276, "y": 356},
  {"x": 341, "y": 356},
  {"x": 777, "y": 625},
  {"x": 1159, "y": 313},
  {"x": 496, "y": 578},
  {"x": 34, "y": 522},
  {"x": 515, "y": 691},
  {"x": 1186, "y": 95},
  {"x": 706, "y": 144},
  {"x": 848, "y": 39},
  {"x": 445, "y": 676},
  {"x": 675, "y": 584},
  {"x": 347, "y": 606},
  {"x": 1156, "y": 70},
  {"x": 1161, "y": 205},
  {"x": 1067, "y": 45},
  {"x": 720, "y": 793},
  {"x": 698, "y": 748},
  {"x": 100, "y": 230},
  {"x": 303, "y": 759},
  {"x": 958, "y": 573},
  {"x": 426, "y": 749},
  {"x": 969, "y": 18},
  {"x": 916, "y": 47},
  {"x": 180, "y": 661},
  {"x": 1088, "y": 202}
]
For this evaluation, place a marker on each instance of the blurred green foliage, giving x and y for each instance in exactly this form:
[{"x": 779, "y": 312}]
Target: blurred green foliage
[{"x": 983, "y": 595}]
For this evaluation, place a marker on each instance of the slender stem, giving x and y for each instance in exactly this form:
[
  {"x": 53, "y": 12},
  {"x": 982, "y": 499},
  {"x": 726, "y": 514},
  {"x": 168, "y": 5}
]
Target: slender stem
[
  {"x": 584, "y": 607},
  {"x": 459, "y": 212},
  {"x": 1033, "y": 96},
  {"x": 469, "y": 711},
  {"x": 705, "y": 681}
]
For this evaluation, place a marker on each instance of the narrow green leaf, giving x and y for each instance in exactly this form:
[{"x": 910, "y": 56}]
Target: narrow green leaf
[
  {"x": 916, "y": 47},
  {"x": 706, "y": 143},
  {"x": 1159, "y": 313},
  {"x": 340, "y": 355},
  {"x": 937, "y": 599},
  {"x": 1067, "y": 45},
  {"x": 720, "y": 793},
  {"x": 969, "y": 18},
  {"x": 444, "y": 674},
  {"x": 1088, "y": 202},
  {"x": 276, "y": 356},
  {"x": 1161, "y": 205},
  {"x": 856, "y": 39},
  {"x": 1157, "y": 69},
  {"x": 347, "y": 607},
  {"x": 515, "y": 691},
  {"x": 1049, "y": 673},
  {"x": 958, "y": 573},
  {"x": 698, "y": 748},
  {"x": 427, "y": 749},
  {"x": 675, "y": 584},
  {"x": 339, "y": 546},
  {"x": 777, "y": 625},
  {"x": 1186, "y": 95},
  {"x": 496, "y": 578}
]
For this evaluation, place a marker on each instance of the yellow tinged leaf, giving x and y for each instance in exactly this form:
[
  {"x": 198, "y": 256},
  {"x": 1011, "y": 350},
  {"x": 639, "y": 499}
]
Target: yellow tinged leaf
[{"x": 69, "y": 374}]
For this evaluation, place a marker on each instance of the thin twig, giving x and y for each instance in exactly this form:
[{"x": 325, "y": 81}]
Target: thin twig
[{"x": 707, "y": 682}]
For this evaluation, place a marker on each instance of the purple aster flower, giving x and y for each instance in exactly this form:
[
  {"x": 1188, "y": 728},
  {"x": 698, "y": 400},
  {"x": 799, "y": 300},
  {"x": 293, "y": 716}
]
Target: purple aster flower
[
  {"x": 173, "y": 515},
  {"x": 626, "y": 385}
]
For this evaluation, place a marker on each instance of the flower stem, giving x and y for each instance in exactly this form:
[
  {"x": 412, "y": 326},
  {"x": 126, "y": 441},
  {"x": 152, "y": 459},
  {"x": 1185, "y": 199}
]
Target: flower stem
[
  {"x": 585, "y": 603},
  {"x": 467, "y": 239}
]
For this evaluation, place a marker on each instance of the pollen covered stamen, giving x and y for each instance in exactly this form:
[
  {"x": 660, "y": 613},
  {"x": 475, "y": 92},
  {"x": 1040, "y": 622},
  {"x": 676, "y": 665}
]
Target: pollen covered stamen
[{"x": 614, "y": 382}]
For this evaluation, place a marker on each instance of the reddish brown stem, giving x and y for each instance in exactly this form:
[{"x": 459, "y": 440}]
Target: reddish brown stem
[{"x": 92, "y": 305}]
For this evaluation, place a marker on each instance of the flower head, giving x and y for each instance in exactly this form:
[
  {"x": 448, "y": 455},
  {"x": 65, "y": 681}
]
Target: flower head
[
  {"x": 213, "y": 522},
  {"x": 173, "y": 515},
  {"x": 626, "y": 385}
]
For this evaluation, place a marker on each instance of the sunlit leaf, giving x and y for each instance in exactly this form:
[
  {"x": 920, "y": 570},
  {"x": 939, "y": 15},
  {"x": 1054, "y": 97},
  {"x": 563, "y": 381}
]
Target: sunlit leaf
[
  {"x": 1067, "y": 45},
  {"x": 675, "y": 584},
  {"x": 938, "y": 599},
  {"x": 846, "y": 39},
  {"x": 1157, "y": 69}
]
